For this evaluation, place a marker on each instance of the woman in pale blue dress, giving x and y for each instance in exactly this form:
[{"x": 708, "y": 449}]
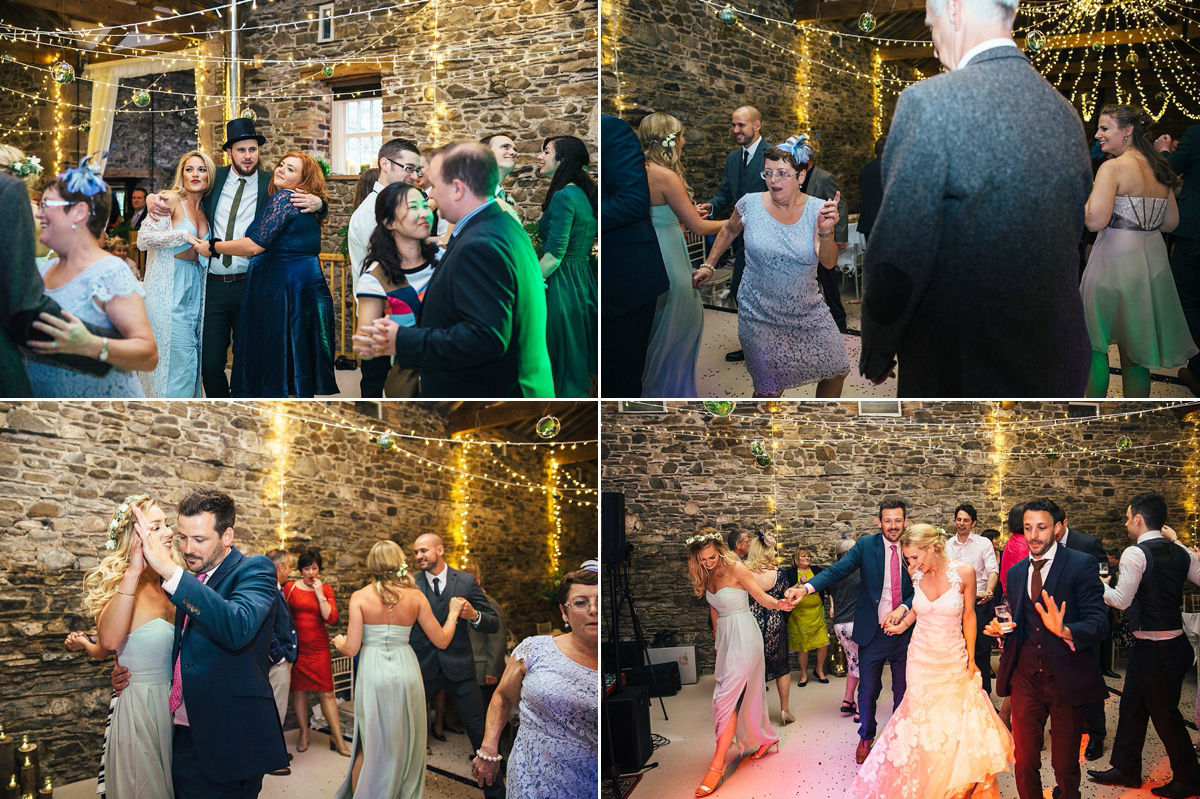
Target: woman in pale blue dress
[
  {"x": 176, "y": 279},
  {"x": 93, "y": 288},
  {"x": 784, "y": 325},
  {"x": 554, "y": 681},
  {"x": 679, "y": 315},
  {"x": 389, "y": 697},
  {"x": 136, "y": 619}
]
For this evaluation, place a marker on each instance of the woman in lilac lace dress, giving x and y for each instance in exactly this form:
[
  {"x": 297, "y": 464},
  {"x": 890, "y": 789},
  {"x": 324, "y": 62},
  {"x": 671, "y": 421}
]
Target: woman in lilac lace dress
[
  {"x": 1129, "y": 294},
  {"x": 554, "y": 678},
  {"x": 92, "y": 287},
  {"x": 284, "y": 346},
  {"x": 784, "y": 325}
]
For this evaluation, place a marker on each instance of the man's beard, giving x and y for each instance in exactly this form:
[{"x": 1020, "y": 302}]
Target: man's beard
[{"x": 238, "y": 168}]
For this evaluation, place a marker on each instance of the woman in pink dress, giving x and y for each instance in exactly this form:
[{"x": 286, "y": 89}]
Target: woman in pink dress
[{"x": 945, "y": 740}]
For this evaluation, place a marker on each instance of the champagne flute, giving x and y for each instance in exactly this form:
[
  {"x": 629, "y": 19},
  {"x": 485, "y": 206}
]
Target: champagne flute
[{"x": 1004, "y": 616}]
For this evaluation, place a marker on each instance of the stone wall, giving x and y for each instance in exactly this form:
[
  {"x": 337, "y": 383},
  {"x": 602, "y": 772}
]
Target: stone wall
[
  {"x": 153, "y": 138},
  {"x": 29, "y": 122},
  {"x": 63, "y": 467},
  {"x": 688, "y": 469},
  {"x": 673, "y": 57}
]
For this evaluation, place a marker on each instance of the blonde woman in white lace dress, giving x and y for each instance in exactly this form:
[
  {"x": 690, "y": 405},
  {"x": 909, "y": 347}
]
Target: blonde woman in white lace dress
[
  {"x": 945, "y": 740},
  {"x": 176, "y": 278}
]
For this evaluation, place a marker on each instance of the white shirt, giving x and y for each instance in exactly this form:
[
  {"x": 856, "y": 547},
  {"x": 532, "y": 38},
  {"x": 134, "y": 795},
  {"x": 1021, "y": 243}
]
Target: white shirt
[
  {"x": 362, "y": 225},
  {"x": 441, "y": 578},
  {"x": 1002, "y": 41},
  {"x": 750, "y": 149},
  {"x": 170, "y": 586},
  {"x": 1133, "y": 566},
  {"x": 1049, "y": 558},
  {"x": 979, "y": 553},
  {"x": 885, "y": 598},
  {"x": 247, "y": 210}
]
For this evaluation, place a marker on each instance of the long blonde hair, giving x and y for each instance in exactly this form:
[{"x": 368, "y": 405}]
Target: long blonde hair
[
  {"x": 100, "y": 583},
  {"x": 177, "y": 184},
  {"x": 762, "y": 552},
  {"x": 698, "y": 573},
  {"x": 924, "y": 536},
  {"x": 389, "y": 571},
  {"x": 656, "y": 129}
]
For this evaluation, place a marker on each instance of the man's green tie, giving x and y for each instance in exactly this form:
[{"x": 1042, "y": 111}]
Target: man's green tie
[{"x": 227, "y": 260}]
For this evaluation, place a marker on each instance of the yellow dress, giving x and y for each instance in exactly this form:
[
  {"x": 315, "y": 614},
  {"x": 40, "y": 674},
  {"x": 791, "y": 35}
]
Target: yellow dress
[{"x": 806, "y": 624}]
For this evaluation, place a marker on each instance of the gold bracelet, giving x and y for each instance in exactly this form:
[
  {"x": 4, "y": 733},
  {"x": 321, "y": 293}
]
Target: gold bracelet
[{"x": 122, "y": 593}]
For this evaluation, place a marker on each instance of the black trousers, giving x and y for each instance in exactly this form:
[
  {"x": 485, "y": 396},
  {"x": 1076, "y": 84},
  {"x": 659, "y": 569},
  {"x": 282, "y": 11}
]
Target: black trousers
[
  {"x": 1185, "y": 268},
  {"x": 1153, "y": 683},
  {"x": 623, "y": 358},
  {"x": 373, "y": 374},
  {"x": 1035, "y": 697},
  {"x": 831, "y": 287},
  {"x": 222, "y": 307},
  {"x": 983, "y": 643},
  {"x": 189, "y": 780},
  {"x": 469, "y": 703}
]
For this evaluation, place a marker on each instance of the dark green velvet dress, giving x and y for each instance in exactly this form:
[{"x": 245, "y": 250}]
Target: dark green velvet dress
[{"x": 568, "y": 231}]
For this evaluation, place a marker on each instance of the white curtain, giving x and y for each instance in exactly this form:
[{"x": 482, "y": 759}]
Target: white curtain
[{"x": 105, "y": 78}]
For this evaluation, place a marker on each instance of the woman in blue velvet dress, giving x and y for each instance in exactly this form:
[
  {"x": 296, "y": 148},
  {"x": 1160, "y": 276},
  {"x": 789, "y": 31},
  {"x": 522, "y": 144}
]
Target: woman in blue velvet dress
[{"x": 284, "y": 346}]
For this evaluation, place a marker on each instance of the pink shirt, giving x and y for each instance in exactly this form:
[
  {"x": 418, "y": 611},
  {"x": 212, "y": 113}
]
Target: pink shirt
[{"x": 1015, "y": 551}]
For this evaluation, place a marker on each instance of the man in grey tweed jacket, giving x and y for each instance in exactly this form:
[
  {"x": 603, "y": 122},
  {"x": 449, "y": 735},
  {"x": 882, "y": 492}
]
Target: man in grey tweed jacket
[{"x": 985, "y": 180}]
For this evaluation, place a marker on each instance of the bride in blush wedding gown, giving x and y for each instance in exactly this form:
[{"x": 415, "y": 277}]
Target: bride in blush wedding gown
[
  {"x": 945, "y": 740},
  {"x": 741, "y": 666}
]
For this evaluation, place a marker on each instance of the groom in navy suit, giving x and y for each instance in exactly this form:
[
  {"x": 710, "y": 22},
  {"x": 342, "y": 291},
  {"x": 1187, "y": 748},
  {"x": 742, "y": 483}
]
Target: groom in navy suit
[
  {"x": 227, "y": 732},
  {"x": 886, "y": 591},
  {"x": 1050, "y": 667}
]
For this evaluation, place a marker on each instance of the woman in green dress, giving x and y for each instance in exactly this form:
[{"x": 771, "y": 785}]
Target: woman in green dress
[
  {"x": 806, "y": 625},
  {"x": 568, "y": 231}
]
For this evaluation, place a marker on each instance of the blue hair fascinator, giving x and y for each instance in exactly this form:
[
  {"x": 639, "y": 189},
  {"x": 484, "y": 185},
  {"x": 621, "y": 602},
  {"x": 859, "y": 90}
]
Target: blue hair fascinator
[
  {"x": 1097, "y": 152},
  {"x": 798, "y": 147},
  {"x": 83, "y": 179}
]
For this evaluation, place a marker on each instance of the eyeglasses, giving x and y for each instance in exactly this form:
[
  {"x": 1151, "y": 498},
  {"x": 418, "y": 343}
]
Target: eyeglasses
[
  {"x": 581, "y": 604},
  {"x": 44, "y": 204},
  {"x": 409, "y": 168},
  {"x": 767, "y": 174}
]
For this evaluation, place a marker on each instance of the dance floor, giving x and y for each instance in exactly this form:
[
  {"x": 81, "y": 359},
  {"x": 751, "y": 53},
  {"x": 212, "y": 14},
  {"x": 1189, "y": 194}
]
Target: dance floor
[
  {"x": 816, "y": 754},
  {"x": 716, "y": 377}
]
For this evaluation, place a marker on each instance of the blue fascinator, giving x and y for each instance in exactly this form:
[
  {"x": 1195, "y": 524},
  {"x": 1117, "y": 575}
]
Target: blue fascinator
[
  {"x": 798, "y": 147},
  {"x": 83, "y": 179}
]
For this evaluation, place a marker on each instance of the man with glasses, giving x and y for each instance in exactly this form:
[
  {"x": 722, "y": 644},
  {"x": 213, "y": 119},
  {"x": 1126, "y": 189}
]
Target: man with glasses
[
  {"x": 399, "y": 161},
  {"x": 743, "y": 175}
]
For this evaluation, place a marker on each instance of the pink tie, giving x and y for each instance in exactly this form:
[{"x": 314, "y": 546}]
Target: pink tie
[
  {"x": 177, "y": 680},
  {"x": 897, "y": 596}
]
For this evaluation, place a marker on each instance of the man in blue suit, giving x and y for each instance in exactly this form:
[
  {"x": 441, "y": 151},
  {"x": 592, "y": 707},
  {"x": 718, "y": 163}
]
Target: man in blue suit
[
  {"x": 227, "y": 733},
  {"x": 886, "y": 591},
  {"x": 1050, "y": 667}
]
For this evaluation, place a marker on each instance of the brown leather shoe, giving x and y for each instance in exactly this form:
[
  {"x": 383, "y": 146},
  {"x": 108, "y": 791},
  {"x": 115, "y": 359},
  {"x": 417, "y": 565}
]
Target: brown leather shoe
[{"x": 864, "y": 749}]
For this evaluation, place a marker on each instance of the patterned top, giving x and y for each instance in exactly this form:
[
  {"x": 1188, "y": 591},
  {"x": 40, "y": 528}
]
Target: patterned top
[
  {"x": 282, "y": 228},
  {"x": 107, "y": 278},
  {"x": 555, "y": 750}
]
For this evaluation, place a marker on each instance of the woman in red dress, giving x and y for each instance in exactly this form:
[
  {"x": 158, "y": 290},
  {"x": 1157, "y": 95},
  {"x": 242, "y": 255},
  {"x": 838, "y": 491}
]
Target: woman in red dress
[{"x": 313, "y": 607}]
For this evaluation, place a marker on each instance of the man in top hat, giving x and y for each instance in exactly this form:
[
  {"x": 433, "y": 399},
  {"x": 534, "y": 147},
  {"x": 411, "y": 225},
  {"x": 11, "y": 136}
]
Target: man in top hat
[{"x": 238, "y": 192}]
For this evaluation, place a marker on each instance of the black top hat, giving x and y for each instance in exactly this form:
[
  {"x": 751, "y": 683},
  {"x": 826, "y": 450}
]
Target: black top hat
[{"x": 241, "y": 128}]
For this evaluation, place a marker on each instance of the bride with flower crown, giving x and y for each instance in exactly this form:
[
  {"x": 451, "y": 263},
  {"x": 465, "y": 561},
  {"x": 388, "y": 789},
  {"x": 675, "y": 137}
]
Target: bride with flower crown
[
  {"x": 945, "y": 740},
  {"x": 136, "y": 619}
]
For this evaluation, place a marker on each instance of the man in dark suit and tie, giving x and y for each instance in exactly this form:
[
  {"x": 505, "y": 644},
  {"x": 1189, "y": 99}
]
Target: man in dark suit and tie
[
  {"x": 284, "y": 647},
  {"x": 886, "y": 593},
  {"x": 1153, "y": 573},
  {"x": 634, "y": 275},
  {"x": 823, "y": 185},
  {"x": 985, "y": 179},
  {"x": 1050, "y": 666},
  {"x": 870, "y": 186},
  {"x": 227, "y": 733},
  {"x": 481, "y": 330},
  {"x": 743, "y": 175},
  {"x": 453, "y": 669},
  {"x": 1185, "y": 252}
]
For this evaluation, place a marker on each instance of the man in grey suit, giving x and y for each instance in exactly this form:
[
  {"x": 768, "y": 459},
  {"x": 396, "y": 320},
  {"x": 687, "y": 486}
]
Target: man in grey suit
[
  {"x": 985, "y": 181},
  {"x": 453, "y": 669},
  {"x": 1185, "y": 253},
  {"x": 743, "y": 175}
]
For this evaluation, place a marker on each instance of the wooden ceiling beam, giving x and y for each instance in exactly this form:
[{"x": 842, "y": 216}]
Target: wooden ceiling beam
[
  {"x": 582, "y": 453},
  {"x": 471, "y": 420},
  {"x": 816, "y": 11},
  {"x": 165, "y": 48},
  {"x": 1075, "y": 41},
  {"x": 112, "y": 12}
]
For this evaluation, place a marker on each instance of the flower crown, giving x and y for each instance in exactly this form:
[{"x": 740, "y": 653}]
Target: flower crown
[
  {"x": 119, "y": 520},
  {"x": 799, "y": 148},
  {"x": 24, "y": 167},
  {"x": 83, "y": 179},
  {"x": 703, "y": 537},
  {"x": 668, "y": 142}
]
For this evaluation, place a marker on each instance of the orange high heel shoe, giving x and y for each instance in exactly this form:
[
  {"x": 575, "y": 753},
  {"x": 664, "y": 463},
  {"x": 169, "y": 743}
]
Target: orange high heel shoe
[
  {"x": 708, "y": 786},
  {"x": 763, "y": 750}
]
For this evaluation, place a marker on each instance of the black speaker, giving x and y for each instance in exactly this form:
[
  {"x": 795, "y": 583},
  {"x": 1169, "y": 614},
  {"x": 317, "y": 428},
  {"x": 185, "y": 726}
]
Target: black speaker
[
  {"x": 627, "y": 744},
  {"x": 612, "y": 527}
]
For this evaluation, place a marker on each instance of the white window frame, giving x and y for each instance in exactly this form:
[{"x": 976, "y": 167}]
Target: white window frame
[
  {"x": 325, "y": 23},
  {"x": 877, "y": 408},
  {"x": 340, "y": 137}
]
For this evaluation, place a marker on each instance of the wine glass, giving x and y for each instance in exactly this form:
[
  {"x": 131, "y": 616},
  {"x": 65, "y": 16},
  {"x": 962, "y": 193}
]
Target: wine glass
[{"x": 1004, "y": 616}]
